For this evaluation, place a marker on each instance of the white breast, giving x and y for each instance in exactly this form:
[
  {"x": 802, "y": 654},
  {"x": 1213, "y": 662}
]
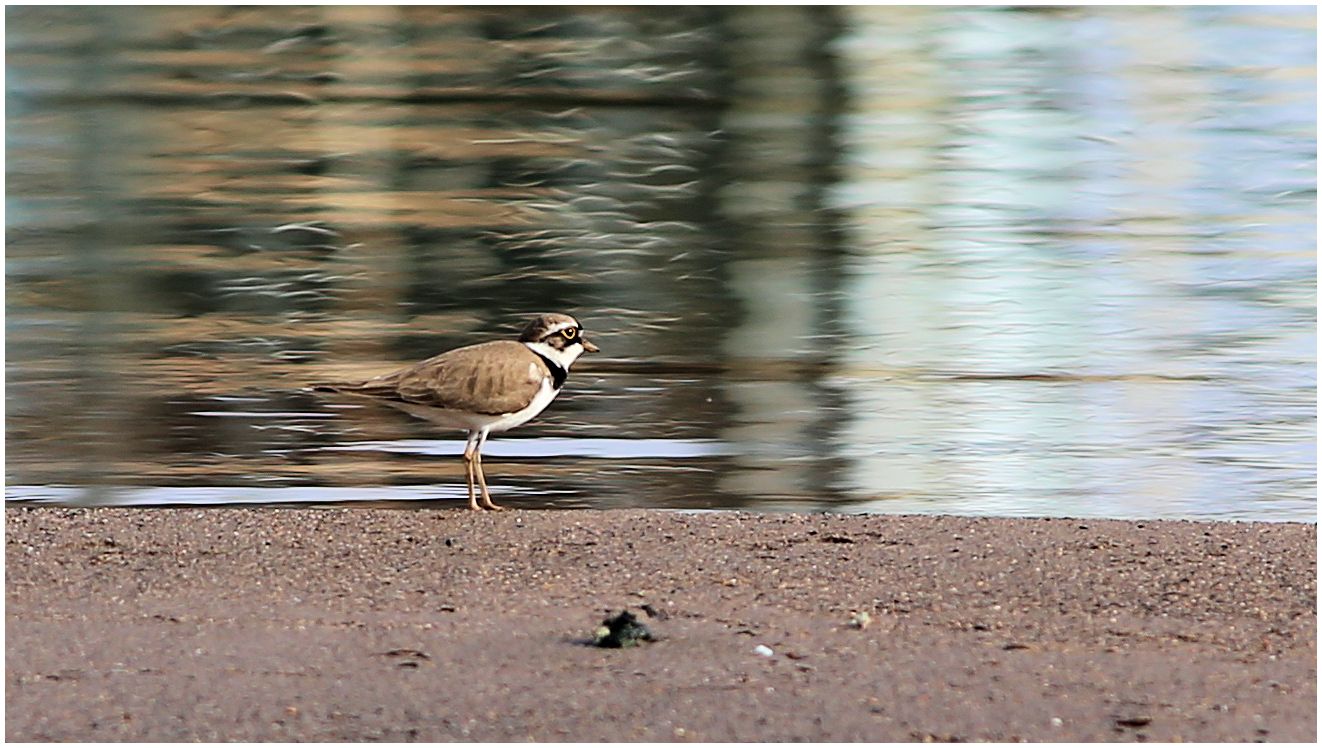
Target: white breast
[
  {"x": 458, "y": 419},
  {"x": 545, "y": 394}
]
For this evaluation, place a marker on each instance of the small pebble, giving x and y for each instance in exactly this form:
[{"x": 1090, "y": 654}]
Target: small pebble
[
  {"x": 763, "y": 650},
  {"x": 621, "y": 631}
]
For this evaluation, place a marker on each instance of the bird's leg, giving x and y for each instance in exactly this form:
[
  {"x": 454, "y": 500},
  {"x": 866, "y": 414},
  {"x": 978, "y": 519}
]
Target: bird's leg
[
  {"x": 470, "y": 464},
  {"x": 481, "y": 476}
]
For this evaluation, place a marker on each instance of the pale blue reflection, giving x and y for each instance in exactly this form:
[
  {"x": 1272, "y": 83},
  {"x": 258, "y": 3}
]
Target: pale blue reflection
[
  {"x": 1118, "y": 242},
  {"x": 611, "y": 449},
  {"x": 229, "y": 495}
]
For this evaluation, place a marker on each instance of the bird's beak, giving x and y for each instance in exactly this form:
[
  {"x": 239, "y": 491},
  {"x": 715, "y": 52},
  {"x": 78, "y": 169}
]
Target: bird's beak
[{"x": 588, "y": 346}]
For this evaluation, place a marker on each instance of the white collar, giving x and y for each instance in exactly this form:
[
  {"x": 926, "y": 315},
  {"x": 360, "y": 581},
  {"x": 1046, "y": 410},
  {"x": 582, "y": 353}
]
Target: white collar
[{"x": 562, "y": 358}]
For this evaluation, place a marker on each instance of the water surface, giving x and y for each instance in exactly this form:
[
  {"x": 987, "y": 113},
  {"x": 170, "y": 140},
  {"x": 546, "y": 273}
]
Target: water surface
[{"x": 981, "y": 261}]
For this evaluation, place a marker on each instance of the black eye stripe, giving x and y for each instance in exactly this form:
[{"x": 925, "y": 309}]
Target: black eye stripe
[{"x": 569, "y": 334}]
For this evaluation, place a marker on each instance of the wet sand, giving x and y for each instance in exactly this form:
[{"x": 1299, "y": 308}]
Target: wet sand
[{"x": 376, "y": 624}]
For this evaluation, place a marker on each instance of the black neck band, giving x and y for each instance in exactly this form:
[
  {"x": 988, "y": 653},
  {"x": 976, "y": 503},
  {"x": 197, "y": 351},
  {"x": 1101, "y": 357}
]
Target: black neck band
[{"x": 558, "y": 372}]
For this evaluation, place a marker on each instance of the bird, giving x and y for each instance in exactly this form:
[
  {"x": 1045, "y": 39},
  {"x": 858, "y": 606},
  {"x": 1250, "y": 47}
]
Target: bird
[{"x": 483, "y": 388}]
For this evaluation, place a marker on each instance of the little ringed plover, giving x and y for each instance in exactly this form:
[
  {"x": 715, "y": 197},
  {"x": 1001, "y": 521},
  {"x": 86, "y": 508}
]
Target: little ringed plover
[{"x": 483, "y": 388}]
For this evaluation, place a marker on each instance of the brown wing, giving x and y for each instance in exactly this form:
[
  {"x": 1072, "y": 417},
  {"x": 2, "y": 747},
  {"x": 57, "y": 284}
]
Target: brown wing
[{"x": 491, "y": 378}]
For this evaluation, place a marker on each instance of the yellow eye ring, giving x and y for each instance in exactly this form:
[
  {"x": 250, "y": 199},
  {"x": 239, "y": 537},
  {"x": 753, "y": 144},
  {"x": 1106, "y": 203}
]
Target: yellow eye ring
[{"x": 569, "y": 333}]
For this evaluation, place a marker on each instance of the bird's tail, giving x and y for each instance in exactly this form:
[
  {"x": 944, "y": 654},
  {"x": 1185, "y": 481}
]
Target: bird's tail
[
  {"x": 333, "y": 386},
  {"x": 379, "y": 388}
]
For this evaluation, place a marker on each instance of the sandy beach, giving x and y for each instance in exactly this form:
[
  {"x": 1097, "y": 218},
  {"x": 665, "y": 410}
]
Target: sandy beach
[{"x": 437, "y": 625}]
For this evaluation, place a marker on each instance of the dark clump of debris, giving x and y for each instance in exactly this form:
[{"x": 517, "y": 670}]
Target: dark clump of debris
[{"x": 621, "y": 631}]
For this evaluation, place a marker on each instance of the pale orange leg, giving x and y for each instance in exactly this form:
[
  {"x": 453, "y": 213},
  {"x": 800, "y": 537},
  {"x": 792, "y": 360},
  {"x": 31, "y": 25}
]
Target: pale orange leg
[
  {"x": 470, "y": 467},
  {"x": 481, "y": 476}
]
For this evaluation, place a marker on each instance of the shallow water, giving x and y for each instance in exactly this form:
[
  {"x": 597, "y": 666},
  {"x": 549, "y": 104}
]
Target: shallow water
[{"x": 958, "y": 260}]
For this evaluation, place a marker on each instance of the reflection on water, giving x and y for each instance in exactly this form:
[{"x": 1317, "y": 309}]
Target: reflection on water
[
  {"x": 603, "y": 449},
  {"x": 968, "y": 260}
]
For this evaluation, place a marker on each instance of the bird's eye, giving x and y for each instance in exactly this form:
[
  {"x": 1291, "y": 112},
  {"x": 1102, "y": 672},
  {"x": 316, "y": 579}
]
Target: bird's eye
[{"x": 569, "y": 332}]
